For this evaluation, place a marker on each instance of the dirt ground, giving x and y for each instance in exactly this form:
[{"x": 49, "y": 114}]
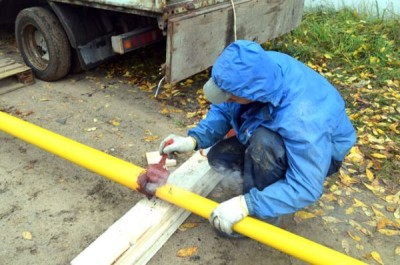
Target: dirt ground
[{"x": 51, "y": 210}]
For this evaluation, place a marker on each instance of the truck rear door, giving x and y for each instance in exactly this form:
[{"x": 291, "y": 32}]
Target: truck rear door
[{"x": 196, "y": 38}]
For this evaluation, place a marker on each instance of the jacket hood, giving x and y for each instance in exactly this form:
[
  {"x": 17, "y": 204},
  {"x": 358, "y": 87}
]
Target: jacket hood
[{"x": 246, "y": 70}]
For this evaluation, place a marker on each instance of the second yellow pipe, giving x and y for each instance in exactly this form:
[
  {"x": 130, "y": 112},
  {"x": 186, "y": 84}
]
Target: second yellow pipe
[{"x": 126, "y": 174}]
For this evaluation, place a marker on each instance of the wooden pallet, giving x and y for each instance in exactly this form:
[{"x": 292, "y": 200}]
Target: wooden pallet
[{"x": 9, "y": 69}]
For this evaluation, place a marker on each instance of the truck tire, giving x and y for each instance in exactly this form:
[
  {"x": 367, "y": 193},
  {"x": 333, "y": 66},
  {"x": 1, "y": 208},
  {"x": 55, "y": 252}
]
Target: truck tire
[{"x": 43, "y": 43}]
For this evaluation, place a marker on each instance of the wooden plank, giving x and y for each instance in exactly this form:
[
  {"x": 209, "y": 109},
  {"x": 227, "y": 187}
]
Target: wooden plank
[
  {"x": 9, "y": 68},
  {"x": 6, "y": 61},
  {"x": 10, "y": 88},
  {"x": 12, "y": 72},
  {"x": 142, "y": 231},
  {"x": 154, "y": 158},
  {"x": 154, "y": 238}
]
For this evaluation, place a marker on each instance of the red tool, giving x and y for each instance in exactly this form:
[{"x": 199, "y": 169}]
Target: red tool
[{"x": 155, "y": 176}]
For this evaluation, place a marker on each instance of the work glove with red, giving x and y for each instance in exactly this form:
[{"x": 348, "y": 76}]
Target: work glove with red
[
  {"x": 180, "y": 144},
  {"x": 229, "y": 213}
]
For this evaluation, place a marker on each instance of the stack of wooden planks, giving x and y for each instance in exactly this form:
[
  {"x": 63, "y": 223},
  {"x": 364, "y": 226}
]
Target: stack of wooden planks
[{"x": 8, "y": 69}]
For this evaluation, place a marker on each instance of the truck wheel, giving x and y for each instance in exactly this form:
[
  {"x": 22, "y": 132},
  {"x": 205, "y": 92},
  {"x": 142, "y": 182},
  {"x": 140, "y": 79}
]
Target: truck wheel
[{"x": 43, "y": 43}]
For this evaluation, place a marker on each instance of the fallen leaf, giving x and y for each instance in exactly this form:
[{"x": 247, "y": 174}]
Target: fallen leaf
[
  {"x": 330, "y": 219},
  {"x": 346, "y": 246},
  {"x": 349, "y": 210},
  {"x": 150, "y": 138},
  {"x": 187, "y": 226},
  {"x": 346, "y": 179},
  {"x": 187, "y": 252},
  {"x": 165, "y": 111},
  {"x": 397, "y": 213},
  {"x": 397, "y": 250},
  {"x": 328, "y": 197},
  {"x": 27, "y": 235},
  {"x": 370, "y": 175},
  {"x": 354, "y": 237},
  {"x": 389, "y": 232},
  {"x": 375, "y": 255},
  {"x": 377, "y": 190},
  {"x": 304, "y": 215},
  {"x": 358, "y": 203},
  {"x": 359, "y": 227},
  {"x": 377, "y": 212},
  {"x": 379, "y": 156},
  {"x": 115, "y": 122},
  {"x": 91, "y": 129},
  {"x": 385, "y": 222}
]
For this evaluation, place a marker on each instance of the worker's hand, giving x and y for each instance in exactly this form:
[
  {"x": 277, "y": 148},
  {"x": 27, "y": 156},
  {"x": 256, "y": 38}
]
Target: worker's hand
[
  {"x": 180, "y": 144},
  {"x": 229, "y": 213}
]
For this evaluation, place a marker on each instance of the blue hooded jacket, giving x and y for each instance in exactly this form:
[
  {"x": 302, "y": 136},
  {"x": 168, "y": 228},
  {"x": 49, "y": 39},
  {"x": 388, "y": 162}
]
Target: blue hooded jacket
[{"x": 300, "y": 105}]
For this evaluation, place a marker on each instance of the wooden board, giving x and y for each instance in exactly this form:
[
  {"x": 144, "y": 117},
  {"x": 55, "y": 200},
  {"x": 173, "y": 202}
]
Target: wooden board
[
  {"x": 10, "y": 69},
  {"x": 154, "y": 157},
  {"x": 142, "y": 231}
]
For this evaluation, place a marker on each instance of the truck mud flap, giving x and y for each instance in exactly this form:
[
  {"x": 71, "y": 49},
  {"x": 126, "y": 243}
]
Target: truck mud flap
[{"x": 195, "y": 39}]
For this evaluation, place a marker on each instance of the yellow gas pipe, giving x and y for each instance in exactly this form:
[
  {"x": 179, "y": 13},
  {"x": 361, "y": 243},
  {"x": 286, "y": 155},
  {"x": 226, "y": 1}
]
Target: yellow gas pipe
[{"x": 126, "y": 174}]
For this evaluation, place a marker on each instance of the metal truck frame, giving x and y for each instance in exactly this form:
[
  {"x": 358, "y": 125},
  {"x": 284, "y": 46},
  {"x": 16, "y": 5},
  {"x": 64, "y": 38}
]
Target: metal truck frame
[{"x": 56, "y": 37}]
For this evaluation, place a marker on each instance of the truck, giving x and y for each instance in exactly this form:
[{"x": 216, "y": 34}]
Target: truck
[{"x": 56, "y": 36}]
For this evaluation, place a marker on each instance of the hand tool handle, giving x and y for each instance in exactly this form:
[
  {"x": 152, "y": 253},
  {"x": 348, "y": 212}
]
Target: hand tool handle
[{"x": 164, "y": 156}]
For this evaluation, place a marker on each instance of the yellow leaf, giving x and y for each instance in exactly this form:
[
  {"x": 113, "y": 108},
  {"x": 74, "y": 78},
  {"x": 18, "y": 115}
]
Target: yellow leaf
[
  {"x": 389, "y": 232},
  {"x": 393, "y": 127},
  {"x": 358, "y": 203},
  {"x": 327, "y": 56},
  {"x": 187, "y": 252},
  {"x": 359, "y": 227},
  {"x": 349, "y": 210},
  {"x": 397, "y": 213},
  {"x": 397, "y": 250},
  {"x": 375, "y": 255},
  {"x": 186, "y": 226},
  {"x": 379, "y": 156},
  {"x": 150, "y": 138},
  {"x": 114, "y": 122},
  {"x": 373, "y": 60},
  {"x": 354, "y": 237},
  {"x": 165, "y": 111},
  {"x": 356, "y": 158},
  {"x": 377, "y": 212},
  {"x": 27, "y": 235},
  {"x": 346, "y": 179},
  {"x": 370, "y": 175},
  {"x": 304, "y": 215},
  {"x": 375, "y": 189},
  {"x": 384, "y": 222},
  {"x": 328, "y": 197},
  {"x": 189, "y": 81}
]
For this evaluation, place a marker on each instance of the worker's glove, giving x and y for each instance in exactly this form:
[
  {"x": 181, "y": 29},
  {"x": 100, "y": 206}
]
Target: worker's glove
[
  {"x": 180, "y": 144},
  {"x": 229, "y": 213}
]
